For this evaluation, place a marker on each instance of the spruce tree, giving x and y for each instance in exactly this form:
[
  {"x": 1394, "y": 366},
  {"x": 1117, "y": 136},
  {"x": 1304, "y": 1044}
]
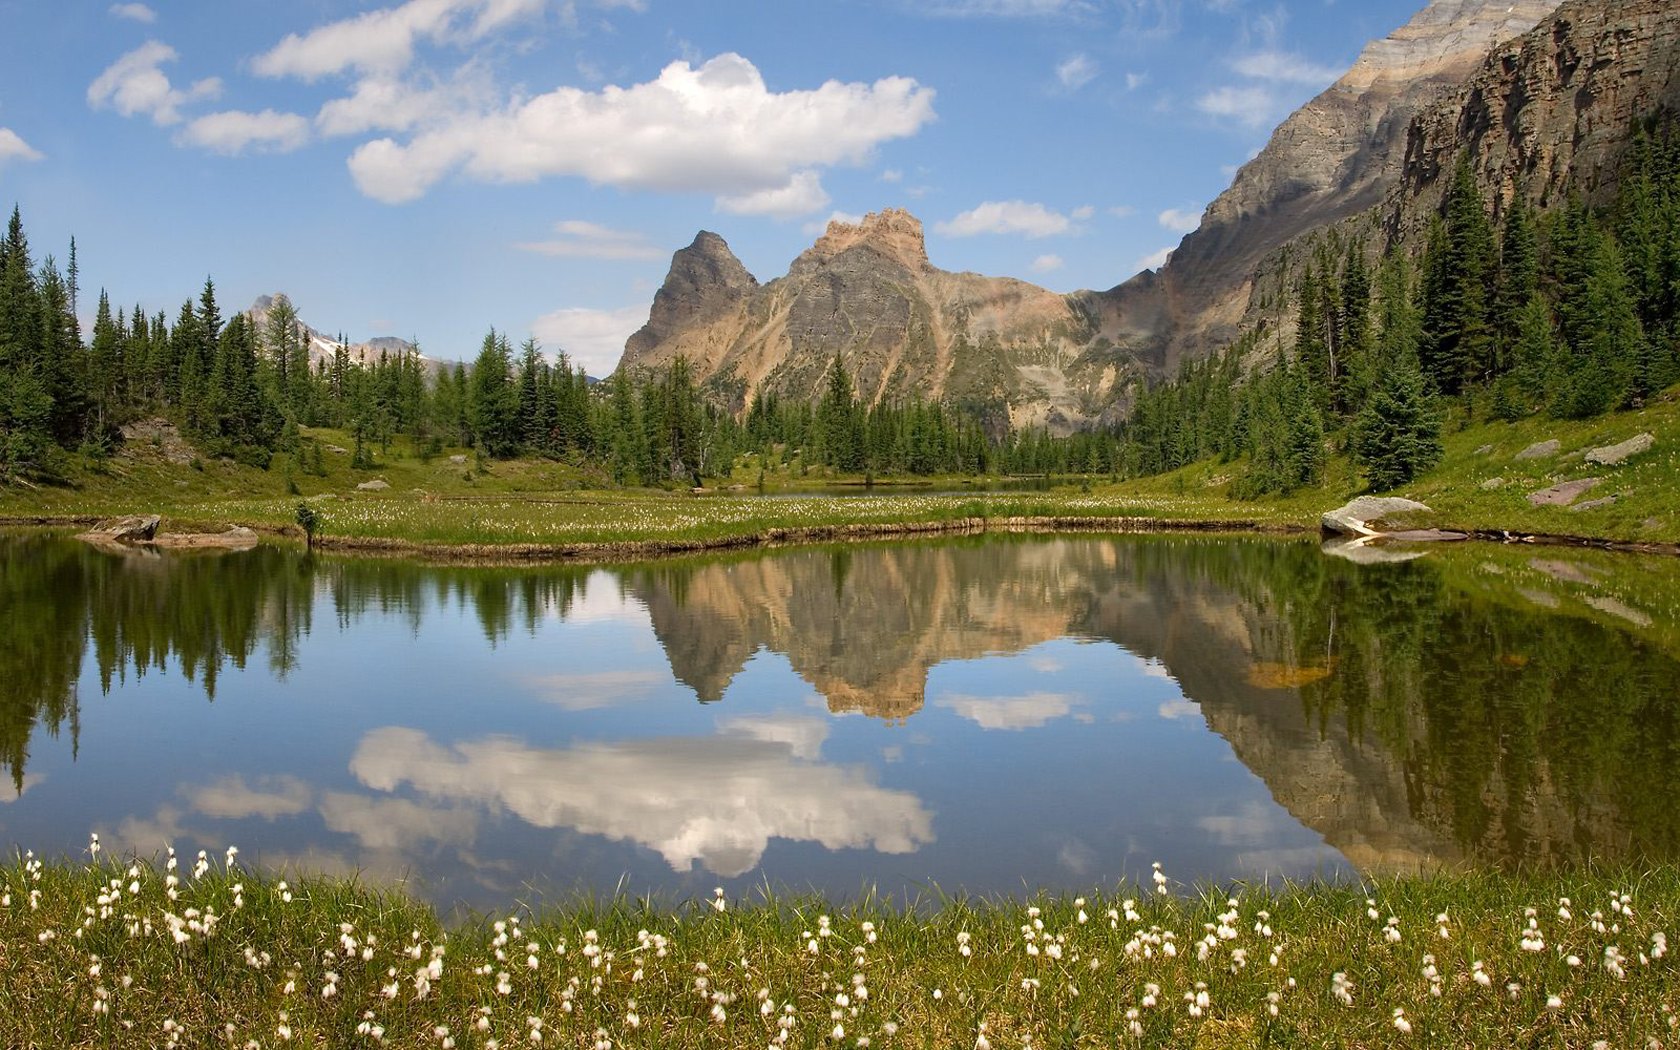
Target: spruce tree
[{"x": 1398, "y": 435}]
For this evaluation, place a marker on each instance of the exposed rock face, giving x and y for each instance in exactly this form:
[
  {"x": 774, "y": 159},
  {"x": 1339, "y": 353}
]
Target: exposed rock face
[
  {"x": 1554, "y": 107},
  {"x": 322, "y": 347},
  {"x": 903, "y": 328},
  {"x": 1337, "y": 156},
  {"x": 1366, "y": 515},
  {"x": 1612, "y": 455}
]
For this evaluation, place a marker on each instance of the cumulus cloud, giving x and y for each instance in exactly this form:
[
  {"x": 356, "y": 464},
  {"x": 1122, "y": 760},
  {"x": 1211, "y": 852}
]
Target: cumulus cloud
[
  {"x": 802, "y": 195},
  {"x": 383, "y": 41},
  {"x": 804, "y": 735},
  {"x": 12, "y": 147},
  {"x": 1155, "y": 260},
  {"x": 134, "y": 12},
  {"x": 577, "y": 239},
  {"x": 234, "y": 131},
  {"x": 1021, "y": 217},
  {"x": 1076, "y": 71},
  {"x": 30, "y": 780},
  {"x": 1252, "y": 105},
  {"x": 395, "y": 824},
  {"x": 135, "y": 84},
  {"x": 593, "y": 338},
  {"x": 1179, "y": 220},
  {"x": 393, "y": 104},
  {"x": 1009, "y": 712},
  {"x": 1047, "y": 264},
  {"x": 1278, "y": 67},
  {"x": 715, "y": 128},
  {"x": 1083, "y": 212},
  {"x": 712, "y": 801}
]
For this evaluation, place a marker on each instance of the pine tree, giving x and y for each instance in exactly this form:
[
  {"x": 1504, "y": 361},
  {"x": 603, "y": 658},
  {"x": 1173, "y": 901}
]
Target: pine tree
[{"x": 1398, "y": 435}]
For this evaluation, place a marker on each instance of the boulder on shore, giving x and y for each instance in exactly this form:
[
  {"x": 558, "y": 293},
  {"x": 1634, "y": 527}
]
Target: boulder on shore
[
  {"x": 1365, "y": 515},
  {"x": 135, "y": 528},
  {"x": 1610, "y": 455},
  {"x": 376, "y": 485},
  {"x": 1564, "y": 494}
]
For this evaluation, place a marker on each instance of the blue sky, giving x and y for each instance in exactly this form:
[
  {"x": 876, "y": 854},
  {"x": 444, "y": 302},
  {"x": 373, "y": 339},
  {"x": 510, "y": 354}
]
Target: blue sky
[{"x": 430, "y": 168}]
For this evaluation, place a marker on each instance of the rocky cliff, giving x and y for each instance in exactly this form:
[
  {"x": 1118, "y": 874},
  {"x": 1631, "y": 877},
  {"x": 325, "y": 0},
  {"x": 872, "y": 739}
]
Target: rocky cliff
[
  {"x": 902, "y": 326},
  {"x": 1552, "y": 110},
  {"x": 1339, "y": 155}
]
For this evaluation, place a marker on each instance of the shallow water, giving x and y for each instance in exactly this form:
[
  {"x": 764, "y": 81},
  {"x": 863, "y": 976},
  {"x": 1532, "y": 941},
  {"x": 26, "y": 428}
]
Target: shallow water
[{"x": 988, "y": 715}]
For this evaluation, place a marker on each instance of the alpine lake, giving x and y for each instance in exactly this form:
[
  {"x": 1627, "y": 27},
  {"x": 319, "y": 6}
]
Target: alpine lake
[{"x": 982, "y": 715}]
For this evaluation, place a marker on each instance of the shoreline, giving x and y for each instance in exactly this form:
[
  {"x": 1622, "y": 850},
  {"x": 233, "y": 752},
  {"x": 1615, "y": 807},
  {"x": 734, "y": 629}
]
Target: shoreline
[{"x": 593, "y": 551}]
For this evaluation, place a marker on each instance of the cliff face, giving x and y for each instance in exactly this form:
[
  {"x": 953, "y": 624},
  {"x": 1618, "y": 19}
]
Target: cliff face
[
  {"x": 1339, "y": 155},
  {"x": 1552, "y": 109},
  {"x": 903, "y": 327}
]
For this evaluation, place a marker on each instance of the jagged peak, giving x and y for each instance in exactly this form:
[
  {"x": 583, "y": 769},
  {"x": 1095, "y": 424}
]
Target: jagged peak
[
  {"x": 1440, "y": 36},
  {"x": 893, "y": 232}
]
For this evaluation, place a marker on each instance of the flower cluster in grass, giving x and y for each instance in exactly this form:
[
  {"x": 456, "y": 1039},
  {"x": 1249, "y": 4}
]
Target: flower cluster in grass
[{"x": 126, "y": 953}]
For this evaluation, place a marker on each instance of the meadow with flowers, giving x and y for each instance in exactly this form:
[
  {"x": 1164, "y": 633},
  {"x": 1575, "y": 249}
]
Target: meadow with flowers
[{"x": 198, "y": 951}]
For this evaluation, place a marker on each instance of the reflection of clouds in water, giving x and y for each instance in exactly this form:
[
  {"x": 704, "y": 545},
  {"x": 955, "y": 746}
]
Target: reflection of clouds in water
[
  {"x": 395, "y": 823},
  {"x": 588, "y": 690},
  {"x": 1045, "y": 664},
  {"x": 602, "y": 600},
  {"x": 1008, "y": 712},
  {"x": 145, "y": 837},
  {"x": 230, "y": 798},
  {"x": 1076, "y": 856},
  {"x": 1156, "y": 669},
  {"x": 1255, "y": 822},
  {"x": 1179, "y": 708},
  {"x": 716, "y": 800},
  {"x": 30, "y": 780},
  {"x": 1300, "y": 860},
  {"x": 802, "y": 734}
]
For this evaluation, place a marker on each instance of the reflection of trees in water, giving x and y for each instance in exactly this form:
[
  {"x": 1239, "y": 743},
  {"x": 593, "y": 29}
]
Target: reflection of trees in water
[
  {"x": 1505, "y": 730},
  {"x": 136, "y": 612}
]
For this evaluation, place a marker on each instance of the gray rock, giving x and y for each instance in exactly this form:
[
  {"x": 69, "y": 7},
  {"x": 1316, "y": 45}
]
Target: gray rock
[
  {"x": 457, "y": 460},
  {"x": 338, "y": 450},
  {"x": 1564, "y": 494},
  {"x": 1540, "y": 450},
  {"x": 1564, "y": 571},
  {"x": 1484, "y": 450},
  {"x": 1493, "y": 483},
  {"x": 136, "y": 528},
  {"x": 1361, "y": 517},
  {"x": 1610, "y": 455},
  {"x": 1593, "y": 504},
  {"x": 1617, "y": 608},
  {"x": 1540, "y": 598},
  {"x": 376, "y": 485}
]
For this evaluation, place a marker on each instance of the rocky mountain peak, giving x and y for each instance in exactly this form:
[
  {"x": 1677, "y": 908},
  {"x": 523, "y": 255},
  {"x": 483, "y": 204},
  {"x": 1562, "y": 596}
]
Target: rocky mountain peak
[
  {"x": 893, "y": 233},
  {"x": 1443, "y": 37},
  {"x": 705, "y": 282}
]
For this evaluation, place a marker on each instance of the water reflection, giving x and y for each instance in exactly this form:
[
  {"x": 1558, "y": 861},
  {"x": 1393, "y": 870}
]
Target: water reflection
[{"x": 1043, "y": 711}]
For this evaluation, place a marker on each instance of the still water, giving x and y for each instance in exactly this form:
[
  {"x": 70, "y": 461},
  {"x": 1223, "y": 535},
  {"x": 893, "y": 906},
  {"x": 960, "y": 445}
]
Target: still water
[{"x": 985, "y": 715}]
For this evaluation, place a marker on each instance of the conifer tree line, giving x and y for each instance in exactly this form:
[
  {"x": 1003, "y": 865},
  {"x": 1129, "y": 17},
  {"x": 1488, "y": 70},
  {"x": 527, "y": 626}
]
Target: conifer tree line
[{"x": 1571, "y": 314}]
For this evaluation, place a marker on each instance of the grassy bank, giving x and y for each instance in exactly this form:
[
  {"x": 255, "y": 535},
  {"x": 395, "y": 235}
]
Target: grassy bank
[
  {"x": 549, "y": 509},
  {"x": 115, "y": 954}
]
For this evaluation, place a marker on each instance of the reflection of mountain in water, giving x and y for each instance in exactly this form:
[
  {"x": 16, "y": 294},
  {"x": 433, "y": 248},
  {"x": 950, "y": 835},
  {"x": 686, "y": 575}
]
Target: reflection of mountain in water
[
  {"x": 1382, "y": 707},
  {"x": 1480, "y": 703}
]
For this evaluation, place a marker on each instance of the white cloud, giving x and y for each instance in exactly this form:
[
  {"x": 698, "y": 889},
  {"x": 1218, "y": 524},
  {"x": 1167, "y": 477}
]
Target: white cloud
[
  {"x": 12, "y": 147},
  {"x": 1005, "y": 8},
  {"x": 1008, "y": 712},
  {"x": 134, "y": 12},
  {"x": 1136, "y": 80},
  {"x": 892, "y": 175},
  {"x": 803, "y": 735},
  {"x": 802, "y": 195},
  {"x": 134, "y": 84},
  {"x": 593, "y": 338},
  {"x": 715, "y": 801},
  {"x": 1155, "y": 260},
  {"x": 1031, "y": 220},
  {"x": 383, "y": 41},
  {"x": 1179, "y": 220},
  {"x": 576, "y": 239},
  {"x": 395, "y": 824},
  {"x": 1082, "y": 213},
  {"x": 1047, "y": 264},
  {"x": 1173, "y": 710},
  {"x": 1122, "y": 211},
  {"x": 1252, "y": 105},
  {"x": 715, "y": 129},
  {"x": 1282, "y": 68},
  {"x": 30, "y": 780},
  {"x": 589, "y": 690},
  {"x": 234, "y": 131},
  {"x": 1076, "y": 71},
  {"x": 232, "y": 799},
  {"x": 391, "y": 104},
  {"x": 819, "y": 227}
]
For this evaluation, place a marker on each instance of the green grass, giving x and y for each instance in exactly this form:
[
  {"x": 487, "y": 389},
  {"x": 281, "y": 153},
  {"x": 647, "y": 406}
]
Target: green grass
[
  {"x": 100, "y": 955},
  {"x": 438, "y": 502}
]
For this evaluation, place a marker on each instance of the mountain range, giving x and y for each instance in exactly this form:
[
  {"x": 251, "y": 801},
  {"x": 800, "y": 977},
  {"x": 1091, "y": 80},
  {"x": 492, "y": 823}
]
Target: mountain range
[{"x": 1541, "y": 93}]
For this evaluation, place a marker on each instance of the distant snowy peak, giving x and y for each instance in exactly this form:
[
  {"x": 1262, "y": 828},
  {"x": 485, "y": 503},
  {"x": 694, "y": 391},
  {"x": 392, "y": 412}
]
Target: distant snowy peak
[{"x": 323, "y": 347}]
